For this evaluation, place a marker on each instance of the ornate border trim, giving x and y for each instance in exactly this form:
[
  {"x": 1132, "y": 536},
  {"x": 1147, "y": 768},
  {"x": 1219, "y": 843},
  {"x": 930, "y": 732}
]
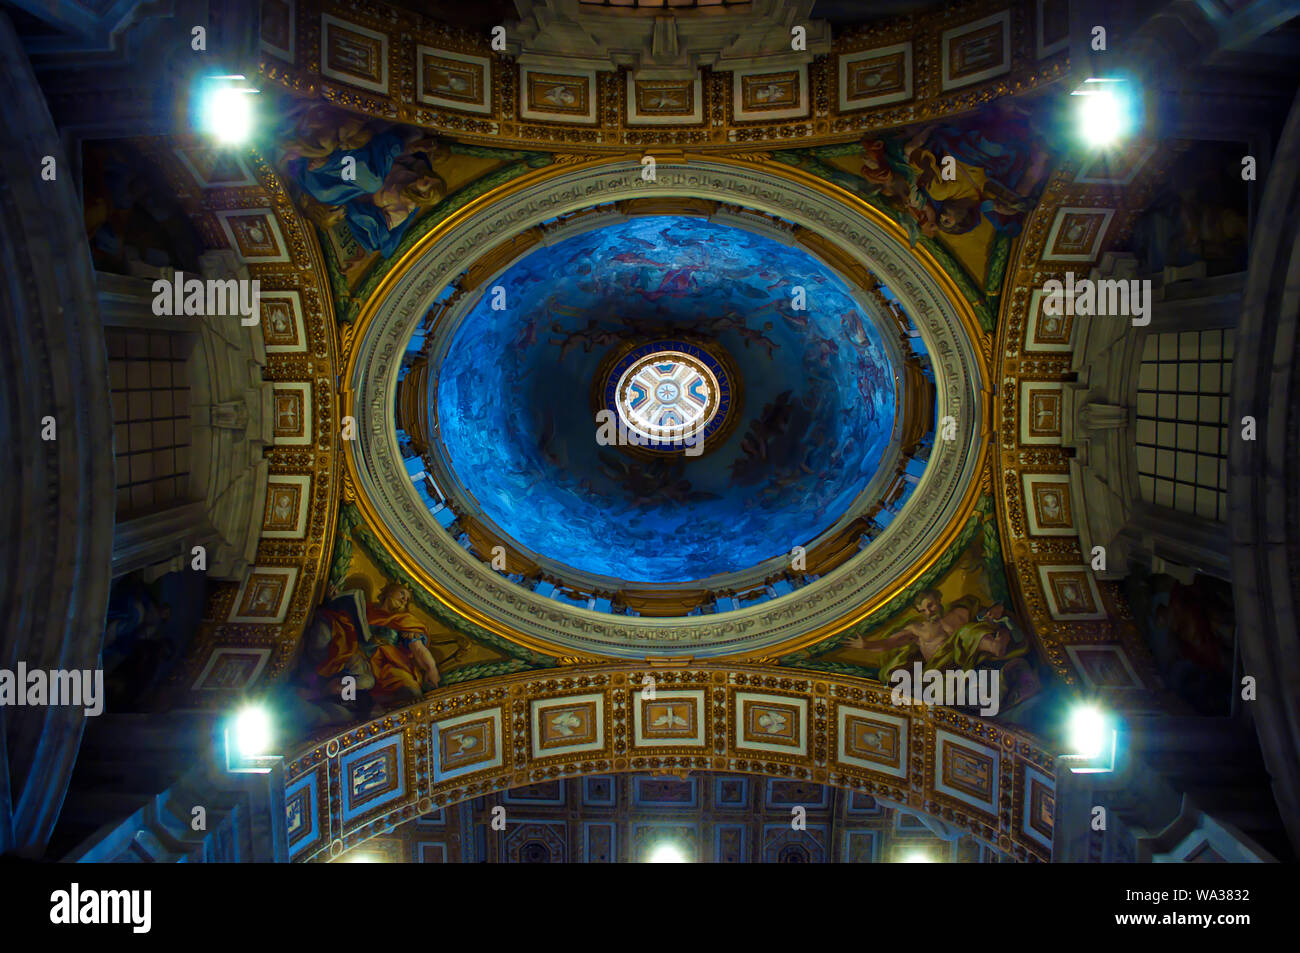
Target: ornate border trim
[
  {"x": 1073, "y": 187},
  {"x": 934, "y": 514},
  {"x": 970, "y": 773},
  {"x": 298, "y": 272},
  {"x": 391, "y": 86}
]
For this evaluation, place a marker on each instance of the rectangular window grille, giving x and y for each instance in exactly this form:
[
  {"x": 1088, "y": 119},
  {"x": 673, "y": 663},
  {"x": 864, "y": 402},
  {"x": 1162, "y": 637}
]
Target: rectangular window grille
[
  {"x": 1182, "y": 423},
  {"x": 151, "y": 419}
]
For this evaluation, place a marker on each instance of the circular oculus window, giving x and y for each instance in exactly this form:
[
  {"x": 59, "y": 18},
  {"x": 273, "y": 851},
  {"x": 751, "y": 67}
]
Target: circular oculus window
[{"x": 667, "y": 396}]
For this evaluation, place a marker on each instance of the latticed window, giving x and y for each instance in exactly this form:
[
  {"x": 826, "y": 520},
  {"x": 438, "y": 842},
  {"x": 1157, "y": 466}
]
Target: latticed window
[
  {"x": 1183, "y": 423},
  {"x": 151, "y": 419}
]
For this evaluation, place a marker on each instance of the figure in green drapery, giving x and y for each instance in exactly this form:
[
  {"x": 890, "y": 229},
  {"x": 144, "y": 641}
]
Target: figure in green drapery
[{"x": 961, "y": 637}]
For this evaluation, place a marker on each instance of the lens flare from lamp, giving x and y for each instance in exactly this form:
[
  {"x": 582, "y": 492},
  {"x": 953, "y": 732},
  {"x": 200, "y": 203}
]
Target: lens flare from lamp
[
  {"x": 666, "y": 853},
  {"x": 253, "y": 732},
  {"x": 916, "y": 857},
  {"x": 1088, "y": 728},
  {"x": 227, "y": 109},
  {"x": 1104, "y": 112}
]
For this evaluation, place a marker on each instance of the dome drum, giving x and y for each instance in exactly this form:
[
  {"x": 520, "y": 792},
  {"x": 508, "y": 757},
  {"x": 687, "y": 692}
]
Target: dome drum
[{"x": 899, "y": 506}]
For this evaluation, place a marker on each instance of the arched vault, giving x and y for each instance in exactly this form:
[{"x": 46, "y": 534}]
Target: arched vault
[{"x": 991, "y": 781}]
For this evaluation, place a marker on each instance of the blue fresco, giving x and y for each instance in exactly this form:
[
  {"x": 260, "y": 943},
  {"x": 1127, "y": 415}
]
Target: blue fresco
[{"x": 513, "y": 401}]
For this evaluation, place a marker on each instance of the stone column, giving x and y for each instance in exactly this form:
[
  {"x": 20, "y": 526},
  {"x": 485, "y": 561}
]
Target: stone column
[
  {"x": 56, "y": 511},
  {"x": 1264, "y": 476}
]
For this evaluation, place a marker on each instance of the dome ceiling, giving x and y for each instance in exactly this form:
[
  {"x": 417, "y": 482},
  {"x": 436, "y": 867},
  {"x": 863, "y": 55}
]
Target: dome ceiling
[
  {"x": 815, "y": 393},
  {"x": 482, "y": 361}
]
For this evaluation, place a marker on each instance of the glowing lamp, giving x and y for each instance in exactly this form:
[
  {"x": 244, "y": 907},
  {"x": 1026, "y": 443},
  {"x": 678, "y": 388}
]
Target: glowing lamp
[
  {"x": 666, "y": 853},
  {"x": 249, "y": 738},
  {"x": 1092, "y": 739},
  {"x": 226, "y": 110},
  {"x": 1104, "y": 111}
]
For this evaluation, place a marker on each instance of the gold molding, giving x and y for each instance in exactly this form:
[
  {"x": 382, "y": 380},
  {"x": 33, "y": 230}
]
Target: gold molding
[
  {"x": 1023, "y": 552},
  {"x": 981, "y": 349},
  {"x": 912, "y": 775},
  {"x": 300, "y": 271},
  {"x": 390, "y": 93}
]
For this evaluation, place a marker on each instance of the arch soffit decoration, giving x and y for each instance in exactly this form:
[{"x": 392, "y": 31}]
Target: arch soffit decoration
[
  {"x": 832, "y": 97},
  {"x": 935, "y": 512},
  {"x": 1073, "y": 638},
  {"x": 993, "y": 782}
]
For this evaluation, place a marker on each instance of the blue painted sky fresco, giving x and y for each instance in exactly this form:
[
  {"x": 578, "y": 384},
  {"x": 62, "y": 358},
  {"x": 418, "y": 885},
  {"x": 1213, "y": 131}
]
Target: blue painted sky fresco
[{"x": 513, "y": 400}]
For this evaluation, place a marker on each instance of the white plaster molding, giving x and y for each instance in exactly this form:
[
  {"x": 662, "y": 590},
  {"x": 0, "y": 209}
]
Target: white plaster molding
[
  {"x": 664, "y": 43},
  {"x": 927, "y": 514}
]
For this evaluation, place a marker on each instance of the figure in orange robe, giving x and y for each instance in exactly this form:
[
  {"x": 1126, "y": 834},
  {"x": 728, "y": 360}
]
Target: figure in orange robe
[{"x": 396, "y": 655}]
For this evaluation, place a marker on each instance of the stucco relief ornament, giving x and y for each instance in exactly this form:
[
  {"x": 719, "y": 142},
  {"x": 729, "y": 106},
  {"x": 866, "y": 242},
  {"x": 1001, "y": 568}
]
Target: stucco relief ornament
[{"x": 464, "y": 581}]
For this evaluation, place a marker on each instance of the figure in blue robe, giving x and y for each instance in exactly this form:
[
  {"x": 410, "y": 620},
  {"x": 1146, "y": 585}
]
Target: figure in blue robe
[
  {"x": 374, "y": 160},
  {"x": 373, "y": 163}
]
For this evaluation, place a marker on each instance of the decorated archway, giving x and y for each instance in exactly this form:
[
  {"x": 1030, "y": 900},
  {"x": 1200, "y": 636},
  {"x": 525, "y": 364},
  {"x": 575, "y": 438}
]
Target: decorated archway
[{"x": 994, "y": 782}]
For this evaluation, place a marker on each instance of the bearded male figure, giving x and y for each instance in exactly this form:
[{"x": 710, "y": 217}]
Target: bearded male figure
[{"x": 382, "y": 645}]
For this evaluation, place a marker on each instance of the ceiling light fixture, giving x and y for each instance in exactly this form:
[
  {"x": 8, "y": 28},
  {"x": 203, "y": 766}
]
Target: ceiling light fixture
[
  {"x": 666, "y": 853},
  {"x": 1093, "y": 740},
  {"x": 226, "y": 108},
  {"x": 249, "y": 739},
  {"x": 1104, "y": 111}
]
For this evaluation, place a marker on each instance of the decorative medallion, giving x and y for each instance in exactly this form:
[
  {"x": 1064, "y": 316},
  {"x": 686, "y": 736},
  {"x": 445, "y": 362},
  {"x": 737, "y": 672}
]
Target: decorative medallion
[{"x": 669, "y": 396}]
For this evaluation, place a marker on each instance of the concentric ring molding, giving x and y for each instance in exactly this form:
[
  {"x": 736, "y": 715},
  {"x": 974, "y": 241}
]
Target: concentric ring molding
[
  {"x": 438, "y": 345},
  {"x": 943, "y": 498}
]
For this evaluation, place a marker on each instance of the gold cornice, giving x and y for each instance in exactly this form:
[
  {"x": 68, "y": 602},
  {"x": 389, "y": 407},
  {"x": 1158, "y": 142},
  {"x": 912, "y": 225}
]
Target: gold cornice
[
  {"x": 722, "y": 696},
  {"x": 981, "y": 347},
  {"x": 982, "y": 340},
  {"x": 334, "y": 346},
  {"x": 914, "y": 572},
  {"x": 391, "y": 94}
]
